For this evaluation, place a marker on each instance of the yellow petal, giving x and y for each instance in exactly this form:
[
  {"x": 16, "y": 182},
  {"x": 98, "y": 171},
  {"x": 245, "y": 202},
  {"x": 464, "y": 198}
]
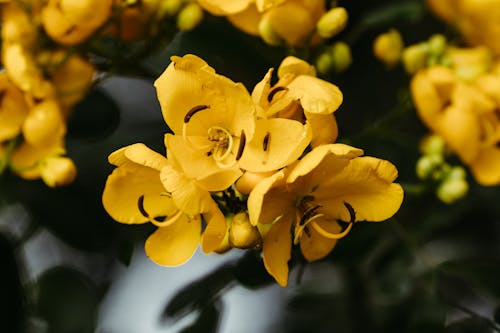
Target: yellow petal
[
  {"x": 215, "y": 230},
  {"x": 175, "y": 244},
  {"x": 187, "y": 196},
  {"x": 316, "y": 96},
  {"x": 13, "y": 109},
  {"x": 44, "y": 124},
  {"x": 247, "y": 20},
  {"x": 197, "y": 165},
  {"x": 277, "y": 249},
  {"x": 365, "y": 184},
  {"x": 124, "y": 187},
  {"x": 25, "y": 158},
  {"x": 277, "y": 142},
  {"x": 269, "y": 200},
  {"x": 316, "y": 160},
  {"x": 261, "y": 89},
  {"x": 313, "y": 245},
  {"x": 263, "y": 5},
  {"x": 139, "y": 154},
  {"x": 291, "y": 22},
  {"x": 486, "y": 166},
  {"x": 324, "y": 128},
  {"x": 295, "y": 66},
  {"x": 223, "y": 7}
]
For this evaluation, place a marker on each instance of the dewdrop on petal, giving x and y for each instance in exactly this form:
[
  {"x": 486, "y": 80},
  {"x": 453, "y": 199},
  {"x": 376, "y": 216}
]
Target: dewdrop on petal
[{"x": 57, "y": 171}]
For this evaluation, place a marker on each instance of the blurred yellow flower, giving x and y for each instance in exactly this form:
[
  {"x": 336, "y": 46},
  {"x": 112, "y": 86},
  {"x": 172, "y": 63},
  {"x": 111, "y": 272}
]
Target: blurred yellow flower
[
  {"x": 332, "y": 183},
  {"x": 477, "y": 20}
]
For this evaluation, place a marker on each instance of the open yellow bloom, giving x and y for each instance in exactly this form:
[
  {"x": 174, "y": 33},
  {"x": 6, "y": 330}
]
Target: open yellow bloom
[
  {"x": 13, "y": 109},
  {"x": 330, "y": 184},
  {"x": 477, "y": 20},
  {"x": 300, "y": 95},
  {"x": 214, "y": 115},
  {"x": 146, "y": 187}
]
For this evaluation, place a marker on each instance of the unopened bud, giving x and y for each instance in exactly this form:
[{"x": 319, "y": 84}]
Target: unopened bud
[
  {"x": 432, "y": 144},
  {"x": 170, "y": 7},
  {"x": 428, "y": 164},
  {"x": 342, "y": 57},
  {"x": 189, "y": 17},
  {"x": 437, "y": 44},
  {"x": 332, "y": 22},
  {"x": 249, "y": 180},
  {"x": 243, "y": 234},
  {"x": 388, "y": 47},
  {"x": 224, "y": 246},
  {"x": 456, "y": 172},
  {"x": 452, "y": 190},
  {"x": 415, "y": 57},
  {"x": 324, "y": 62},
  {"x": 57, "y": 171}
]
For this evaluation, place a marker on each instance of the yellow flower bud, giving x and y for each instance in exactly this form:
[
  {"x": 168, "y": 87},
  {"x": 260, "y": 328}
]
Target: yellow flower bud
[
  {"x": 57, "y": 171},
  {"x": 189, "y": 17},
  {"x": 243, "y": 234},
  {"x": 249, "y": 180},
  {"x": 332, "y": 22},
  {"x": 437, "y": 44},
  {"x": 170, "y": 7},
  {"x": 267, "y": 32},
  {"x": 415, "y": 57},
  {"x": 44, "y": 124},
  {"x": 388, "y": 47},
  {"x": 428, "y": 164},
  {"x": 452, "y": 190},
  {"x": 432, "y": 144},
  {"x": 456, "y": 172},
  {"x": 224, "y": 246},
  {"x": 342, "y": 58},
  {"x": 324, "y": 62}
]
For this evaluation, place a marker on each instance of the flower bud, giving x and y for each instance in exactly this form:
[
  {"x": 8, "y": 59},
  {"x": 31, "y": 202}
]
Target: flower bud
[
  {"x": 437, "y": 44},
  {"x": 243, "y": 234},
  {"x": 428, "y": 164},
  {"x": 189, "y": 17},
  {"x": 332, "y": 22},
  {"x": 452, "y": 190},
  {"x": 57, "y": 171},
  {"x": 342, "y": 58},
  {"x": 170, "y": 7},
  {"x": 456, "y": 172},
  {"x": 44, "y": 124},
  {"x": 432, "y": 144},
  {"x": 324, "y": 62},
  {"x": 249, "y": 180},
  {"x": 415, "y": 57},
  {"x": 388, "y": 47}
]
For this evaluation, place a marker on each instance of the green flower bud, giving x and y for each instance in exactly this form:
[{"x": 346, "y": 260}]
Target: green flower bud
[
  {"x": 388, "y": 47},
  {"x": 189, "y": 17},
  {"x": 452, "y": 190},
  {"x": 170, "y": 7},
  {"x": 428, "y": 164},
  {"x": 415, "y": 57},
  {"x": 342, "y": 58},
  {"x": 332, "y": 22},
  {"x": 456, "y": 172},
  {"x": 243, "y": 234},
  {"x": 437, "y": 44},
  {"x": 432, "y": 144},
  {"x": 324, "y": 62}
]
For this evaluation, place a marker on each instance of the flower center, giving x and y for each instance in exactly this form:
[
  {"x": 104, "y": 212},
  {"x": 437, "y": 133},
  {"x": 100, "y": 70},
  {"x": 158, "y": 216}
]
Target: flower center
[{"x": 222, "y": 143}]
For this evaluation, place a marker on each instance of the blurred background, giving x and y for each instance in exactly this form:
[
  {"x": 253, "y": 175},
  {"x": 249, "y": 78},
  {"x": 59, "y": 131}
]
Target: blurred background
[{"x": 69, "y": 268}]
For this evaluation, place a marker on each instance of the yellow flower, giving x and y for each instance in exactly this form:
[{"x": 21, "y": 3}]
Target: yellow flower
[
  {"x": 71, "y": 22},
  {"x": 13, "y": 109},
  {"x": 26, "y": 158},
  {"x": 462, "y": 110},
  {"x": 477, "y": 20},
  {"x": 332, "y": 183},
  {"x": 57, "y": 171},
  {"x": 211, "y": 114},
  {"x": 292, "y": 22},
  {"x": 301, "y": 96},
  {"x": 135, "y": 193}
]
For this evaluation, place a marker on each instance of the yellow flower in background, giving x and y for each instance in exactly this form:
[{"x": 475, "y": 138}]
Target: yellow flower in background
[
  {"x": 477, "y": 20},
  {"x": 71, "y": 22},
  {"x": 305, "y": 202},
  {"x": 300, "y": 95},
  {"x": 460, "y": 104},
  {"x": 289, "y": 22},
  {"x": 13, "y": 109}
]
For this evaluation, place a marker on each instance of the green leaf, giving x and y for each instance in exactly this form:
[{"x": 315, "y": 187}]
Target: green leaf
[{"x": 67, "y": 300}]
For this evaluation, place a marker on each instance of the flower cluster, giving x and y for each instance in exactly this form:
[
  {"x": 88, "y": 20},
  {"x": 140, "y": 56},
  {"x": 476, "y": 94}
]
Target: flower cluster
[
  {"x": 295, "y": 23},
  {"x": 248, "y": 170},
  {"x": 47, "y": 53}
]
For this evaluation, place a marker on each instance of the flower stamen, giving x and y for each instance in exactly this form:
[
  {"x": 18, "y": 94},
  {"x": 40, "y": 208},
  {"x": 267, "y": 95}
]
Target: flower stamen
[
  {"x": 193, "y": 111},
  {"x": 241, "y": 145},
  {"x": 273, "y": 92},
  {"x": 159, "y": 221},
  {"x": 265, "y": 142}
]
